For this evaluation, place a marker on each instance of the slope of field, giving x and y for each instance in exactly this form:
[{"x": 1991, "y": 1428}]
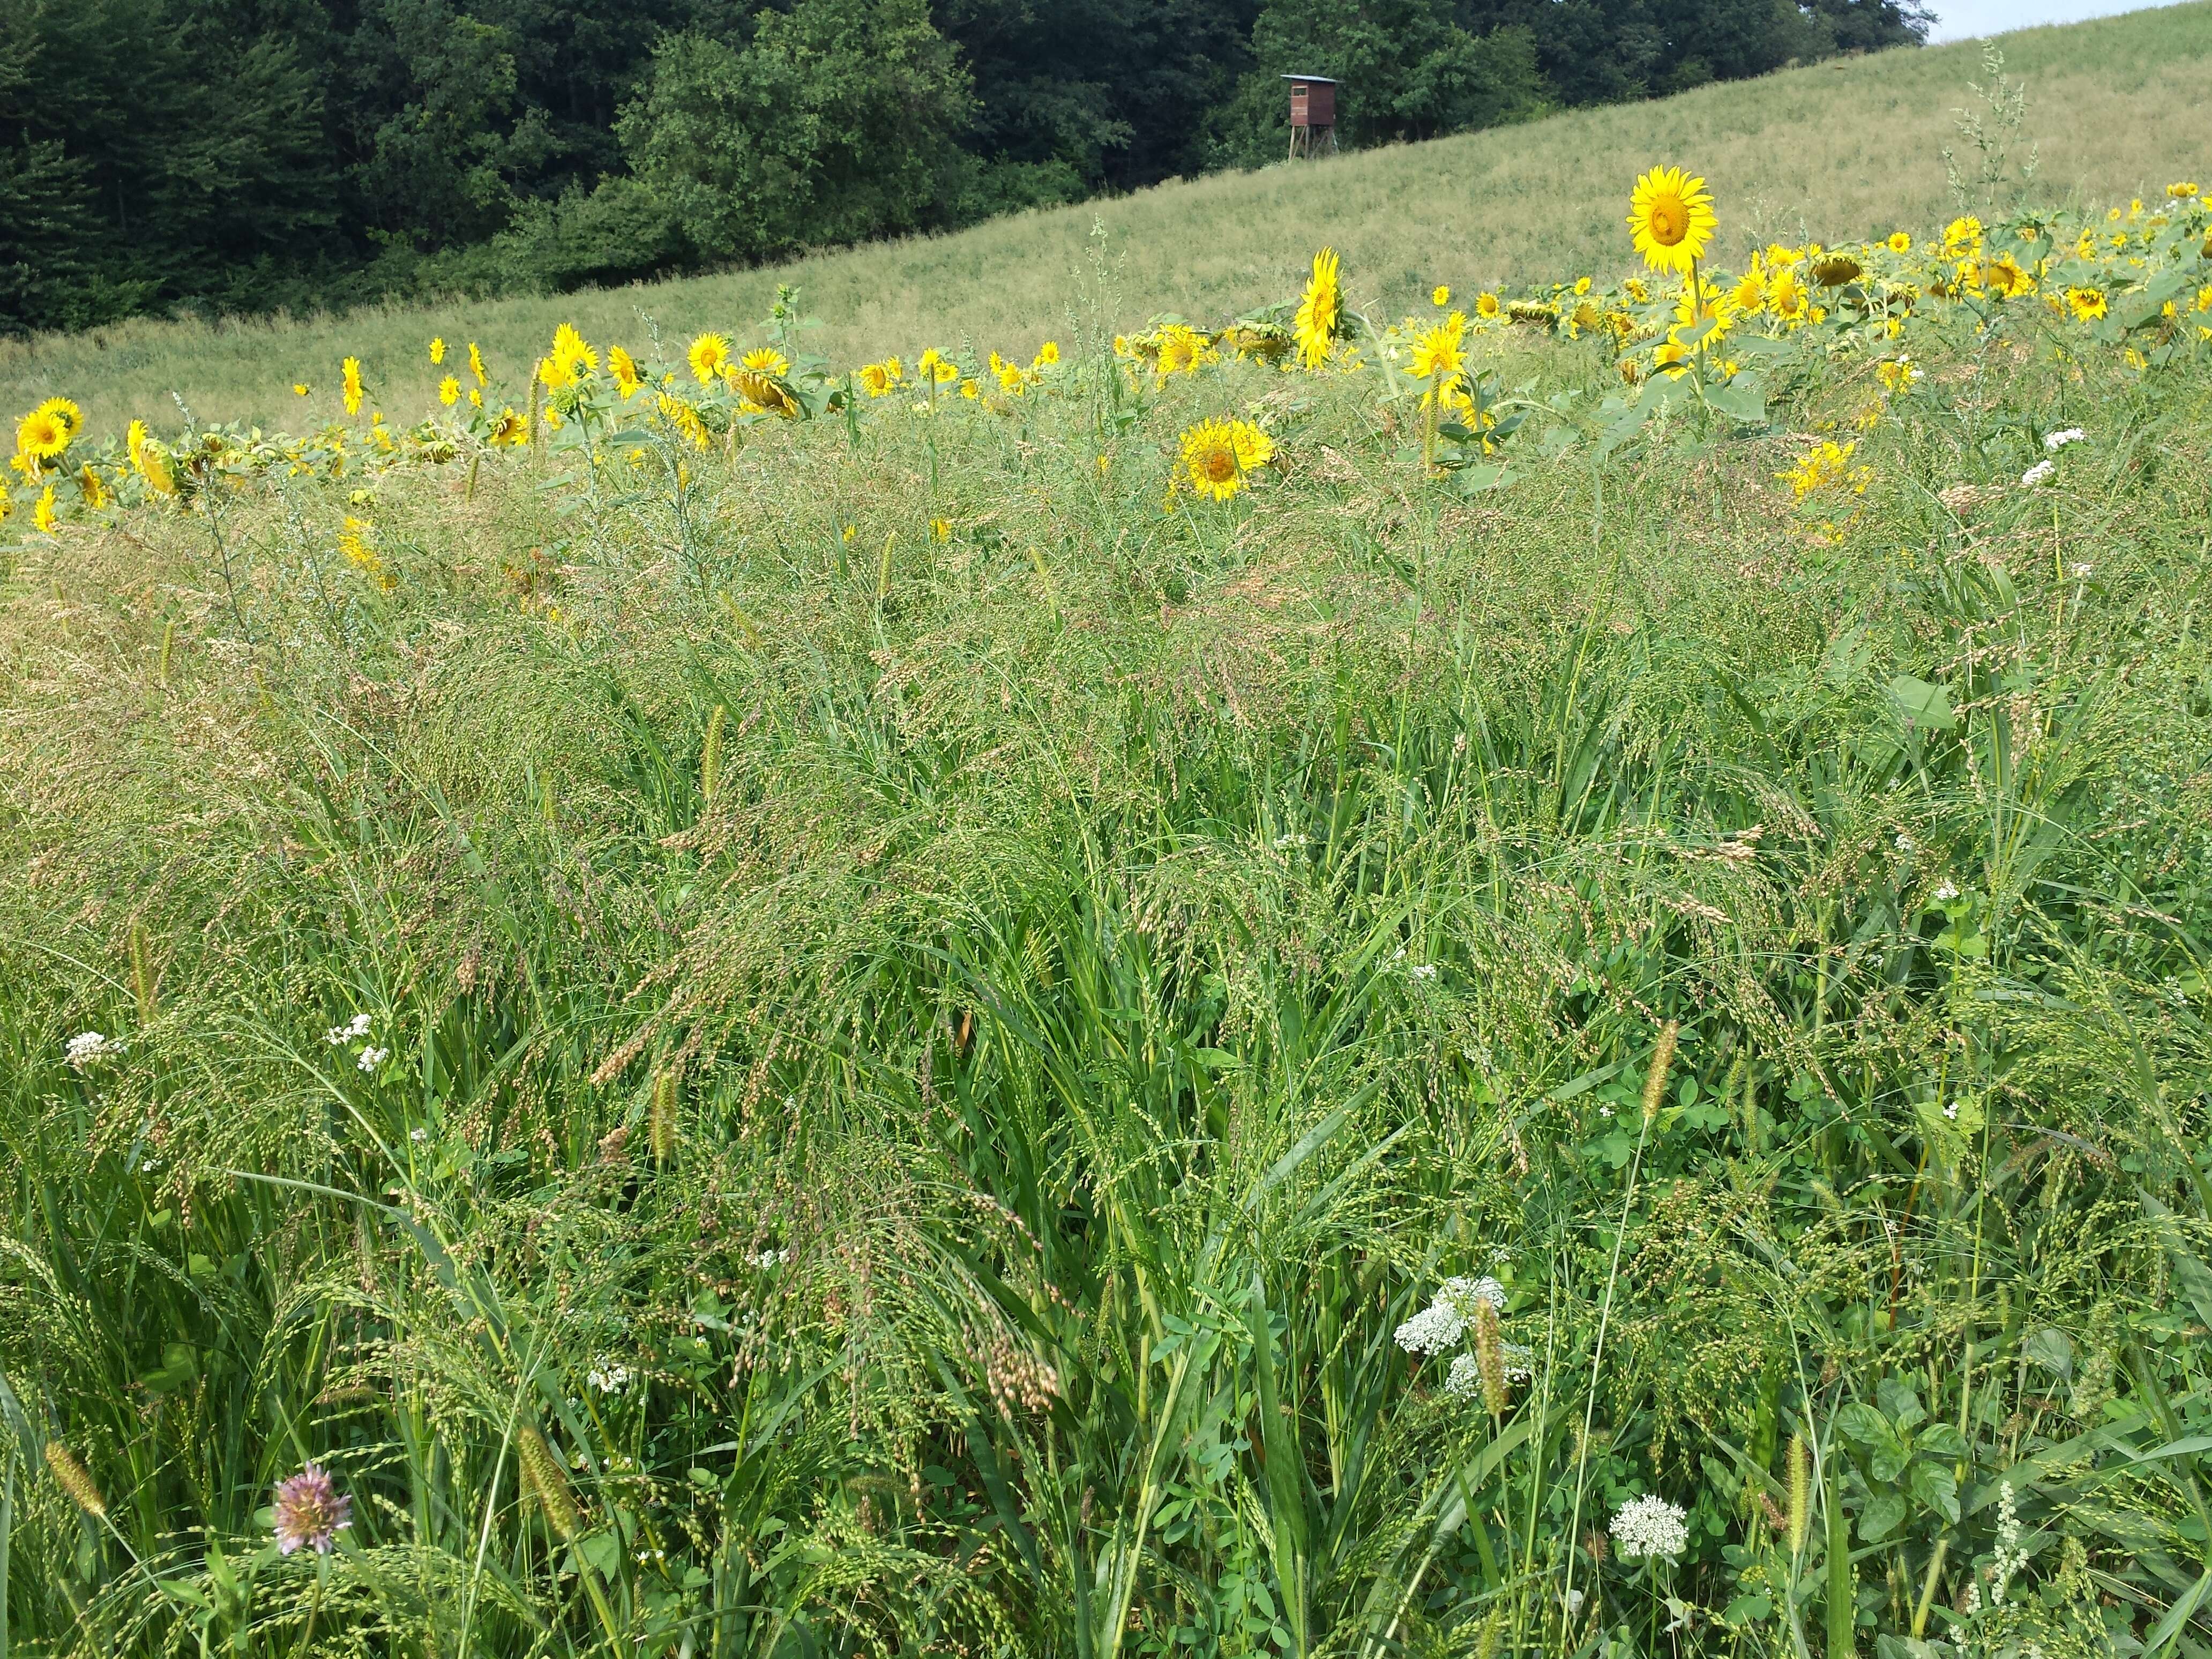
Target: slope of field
[{"x": 1843, "y": 150}]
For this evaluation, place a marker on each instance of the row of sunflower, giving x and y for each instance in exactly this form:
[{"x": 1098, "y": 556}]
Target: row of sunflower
[{"x": 2137, "y": 279}]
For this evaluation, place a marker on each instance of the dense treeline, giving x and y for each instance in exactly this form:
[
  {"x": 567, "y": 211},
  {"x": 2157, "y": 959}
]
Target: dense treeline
[{"x": 241, "y": 155}]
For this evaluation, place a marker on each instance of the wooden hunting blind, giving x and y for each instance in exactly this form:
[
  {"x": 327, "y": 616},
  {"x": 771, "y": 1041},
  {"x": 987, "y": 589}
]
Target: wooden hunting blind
[{"x": 1313, "y": 115}]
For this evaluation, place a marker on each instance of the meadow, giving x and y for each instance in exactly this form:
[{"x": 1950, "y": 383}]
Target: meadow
[
  {"x": 1845, "y": 150},
  {"x": 1525, "y": 974}
]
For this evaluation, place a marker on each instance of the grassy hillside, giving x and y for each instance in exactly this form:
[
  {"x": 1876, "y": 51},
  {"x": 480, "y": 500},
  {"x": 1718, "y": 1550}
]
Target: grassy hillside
[
  {"x": 1845, "y": 150},
  {"x": 1539, "y": 988}
]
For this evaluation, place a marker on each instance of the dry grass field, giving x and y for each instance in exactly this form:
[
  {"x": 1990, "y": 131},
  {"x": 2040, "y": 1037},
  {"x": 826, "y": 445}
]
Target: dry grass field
[{"x": 1843, "y": 150}]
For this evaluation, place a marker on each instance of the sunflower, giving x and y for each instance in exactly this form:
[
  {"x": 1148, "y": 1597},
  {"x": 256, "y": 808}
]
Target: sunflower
[
  {"x": 764, "y": 394},
  {"x": 1048, "y": 353},
  {"x": 2185, "y": 190},
  {"x": 134, "y": 442},
  {"x": 684, "y": 418},
  {"x": 1900, "y": 242},
  {"x": 1321, "y": 309},
  {"x": 623, "y": 367},
  {"x": 2003, "y": 277},
  {"x": 351, "y": 370},
  {"x": 709, "y": 356},
  {"x": 935, "y": 368},
  {"x": 95, "y": 493},
  {"x": 1183, "y": 349},
  {"x": 2088, "y": 304},
  {"x": 42, "y": 515},
  {"x": 449, "y": 391},
  {"x": 1749, "y": 295},
  {"x": 1219, "y": 456},
  {"x": 1962, "y": 238},
  {"x": 1440, "y": 296},
  {"x": 41, "y": 435},
  {"x": 765, "y": 359},
  {"x": 437, "y": 350},
  {"x": 879, "y": 380},
  {"x": 1670, "y": 216},
  {"x": 1436, "y": 352},
  {"x": 476, "y": 363},
  {"x": 510, "y": 430},
  {"x": 1834, "y": 270},
  {"x": 569, "y": 362},
  {"x": 300, "y": 388}
]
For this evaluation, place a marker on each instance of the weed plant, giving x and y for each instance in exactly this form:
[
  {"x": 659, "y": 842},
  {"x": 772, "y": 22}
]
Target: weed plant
[{"x": 886, "y": 1047}]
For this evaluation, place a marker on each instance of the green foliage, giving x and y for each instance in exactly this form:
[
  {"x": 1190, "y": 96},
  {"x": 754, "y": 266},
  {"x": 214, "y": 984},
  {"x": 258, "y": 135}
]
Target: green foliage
[
  {"x": 836, "y": 122},
  {"x": 929, "y": 1072}
]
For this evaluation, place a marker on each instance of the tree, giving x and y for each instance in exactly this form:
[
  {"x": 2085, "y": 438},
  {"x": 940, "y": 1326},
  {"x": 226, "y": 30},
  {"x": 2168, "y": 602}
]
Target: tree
[{"x": 838, "y": 121}]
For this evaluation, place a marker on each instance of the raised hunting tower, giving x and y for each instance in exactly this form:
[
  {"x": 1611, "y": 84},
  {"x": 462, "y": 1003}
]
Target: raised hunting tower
[{"x": 1313, "y": 115}]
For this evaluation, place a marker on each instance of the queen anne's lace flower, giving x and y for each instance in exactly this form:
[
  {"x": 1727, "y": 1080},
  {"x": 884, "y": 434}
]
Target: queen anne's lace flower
[
  {"x": 2056, "y": 441},
  {"x": 1464, "y": 1380},
  {"x": 1651, "y": 1526},
  {"x": 2036, "y": 474},
  {"x": 1441, "y": 1324},
  {"x": 86, "y": 1047}
]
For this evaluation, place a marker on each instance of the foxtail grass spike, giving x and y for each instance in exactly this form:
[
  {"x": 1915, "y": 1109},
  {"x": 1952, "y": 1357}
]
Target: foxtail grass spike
[
  {"x": 661, "y": 1118},
  {"x": 1662, "y": 1062},
  {"x": 1490, "y": 1355},
  {"x": 710, "y": 755},
  {"x": 1801, "y": 1493},
  {"x": 76, "y": 1479},
  {"x": 547, "y": 1486},
  {"x": 168, "y": 640}
]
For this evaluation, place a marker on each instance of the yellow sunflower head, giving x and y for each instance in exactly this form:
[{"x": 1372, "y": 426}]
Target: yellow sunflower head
[
  {"x": 40, "y": 435},
  {"x": 1321, "y": 309},
  {"x": 437, "y": 350},
  {"x": 476, "y": 363},
  {"x": 1436, "y": 352},
  {"x": 351, "y": 370},
  {"x": 765, "y": 359},
  {"x": 1440, "y": 296},
  {"x": 1670, "y": 216},
  {"x": 1219, "y": 456},
  {"x": 876, "y": 380},
  {"x": 449, "y": 391},
  {"x": 623, "y": 367},
  {"x": 1900, "y": 242},
  {"x": 510, "y": 430},
  {"x": 709, "y": 356},
  {"x": 2088, "y": 304}
]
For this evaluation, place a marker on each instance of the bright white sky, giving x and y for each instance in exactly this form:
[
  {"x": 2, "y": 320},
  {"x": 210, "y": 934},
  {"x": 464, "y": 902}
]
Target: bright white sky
[{"x": 1959, "y": 19}]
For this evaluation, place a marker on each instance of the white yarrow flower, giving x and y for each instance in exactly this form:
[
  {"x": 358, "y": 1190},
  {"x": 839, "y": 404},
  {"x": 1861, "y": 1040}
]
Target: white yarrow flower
[
  {"x": 2057, "y": 441},
  {"x": 1945, "y": 892},
  {"x": 1649, "y": 1527},
  {"x": 86, "y": 1047},
  {"x": 2036, "y": 474},
  {"x": 609, "y": 1377},
  {"x": 352, "y": 1031},
  {"x": 372, "y": 1058}
]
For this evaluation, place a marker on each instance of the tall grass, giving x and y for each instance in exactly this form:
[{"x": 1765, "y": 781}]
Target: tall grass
[
  {"x": 909, "y": 1083},
  {"x": 1843, "y": 150}
]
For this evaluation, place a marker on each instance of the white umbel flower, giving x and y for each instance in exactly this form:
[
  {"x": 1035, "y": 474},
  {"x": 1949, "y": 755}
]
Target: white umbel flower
[
  {"x": 1464, "y": 1381},
  {"x": 1441, "y": 1324},
  {"x": 1651, "y": 1526},
  {"x": 86, "y": 1047},
  {"x": 2036, "y": 474},
  {"x": 2055, "y": 441}
]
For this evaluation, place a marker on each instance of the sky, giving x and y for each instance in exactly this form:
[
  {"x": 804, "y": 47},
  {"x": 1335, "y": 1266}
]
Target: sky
[{"x": 1958, "y": 20}]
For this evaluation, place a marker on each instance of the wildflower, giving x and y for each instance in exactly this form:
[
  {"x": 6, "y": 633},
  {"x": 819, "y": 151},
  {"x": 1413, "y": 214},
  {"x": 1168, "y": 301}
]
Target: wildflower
[
  {"x": 1218, "y": 455},
  {"x": 46, "y": 430},
  {"x": 311, "y": 1512},
  {"x": 1436, "y": 354},
  {"x": 1441, "y": 1324},
  {"x": 2055, "y": 441},
  {"x": 300, "y": 388},
  {"x": 765, "y": 359},
  {"x": 940, "y": 529},
  {"x": 1048, "y": 353},
  {"x": 449, "y": 391},
  {"x": 1946, "y": 892},
  {"x": 437, "y": 350},
  {"x": 2182, "y": 192},
  {"x": 351, "y": 1031},
  {"x": 1651, "y": 1526},
  {"x": 879, "y": 380},
  {"x": 1422, "y": 970},
  {"x": 2088, "y": 304},
  {"x": 75, "y": 1479},
  {"x": 2080, "y": 572},
  {"x": 1487, "y": 308},
  {"x": 608, "y": 1378},
  {"x": 623, "y": 367},
  {"x": 1670, "y": 216},
  {"x": 1321, "y": 309},
  {"x": 351, "y": 370},
  {"x": 709, "y": 356},
  {"x": 1440, "y": 296},
  {"x": 1829, "y": 464},
  {"x": 1962, "y": 238},
  {"x": 510, "y": 430},
  {"x": 1897, "y": 375},
  {"x": 684, "y": 418},
  {"x": 372, "y": 1058},
  {"x": 476, "y": 363},
  {"x": 353, "y": 542},
  {"x": 2035, "y": 475},
  {"x": 42, "y": 515},
  {"x": 1900, "y": 242},
  {"x": 86, "y": 1047}
]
